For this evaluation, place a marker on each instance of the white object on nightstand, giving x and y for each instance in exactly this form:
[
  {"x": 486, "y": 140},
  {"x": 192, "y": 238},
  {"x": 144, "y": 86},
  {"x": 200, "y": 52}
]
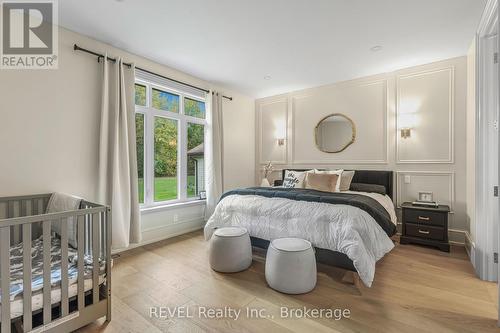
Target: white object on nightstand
[{"x": 291, "y": 266}]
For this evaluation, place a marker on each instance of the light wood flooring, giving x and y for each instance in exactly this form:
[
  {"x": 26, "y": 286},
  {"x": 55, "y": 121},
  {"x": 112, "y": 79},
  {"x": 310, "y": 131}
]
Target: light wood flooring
[{"x": 416, "y": 289}]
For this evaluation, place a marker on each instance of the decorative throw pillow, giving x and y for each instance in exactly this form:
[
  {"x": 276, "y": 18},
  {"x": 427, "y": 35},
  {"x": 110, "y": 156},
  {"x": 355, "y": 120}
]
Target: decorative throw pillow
[
  {"x": 374, "y": 188},
  {"x": 294, "y": 179},
  {"x": 322, "y": 182},
  {"x": 331, "y": 172},
  {"x": 345, "y": 180},
  {"x": 305, "y": 178}
]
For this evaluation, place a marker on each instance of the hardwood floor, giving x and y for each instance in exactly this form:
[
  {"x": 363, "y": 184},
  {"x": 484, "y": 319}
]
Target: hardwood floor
[{"x": 416, "y": 289}]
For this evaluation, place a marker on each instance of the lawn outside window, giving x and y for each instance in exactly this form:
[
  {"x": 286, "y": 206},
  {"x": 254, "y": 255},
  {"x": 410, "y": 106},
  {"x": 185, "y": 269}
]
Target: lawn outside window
[{"x": 170, "y": 130}]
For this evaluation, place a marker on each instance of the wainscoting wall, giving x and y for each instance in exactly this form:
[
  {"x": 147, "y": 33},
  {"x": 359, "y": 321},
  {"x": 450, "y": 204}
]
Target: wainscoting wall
[{"x": 430, "y": 99}]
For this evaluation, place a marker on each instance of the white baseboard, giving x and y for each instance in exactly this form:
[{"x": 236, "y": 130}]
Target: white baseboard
[
  {"x": 456, "y": 236},
  {"x": 470, "y": 247},
  {"x": 153, "y": 235}
]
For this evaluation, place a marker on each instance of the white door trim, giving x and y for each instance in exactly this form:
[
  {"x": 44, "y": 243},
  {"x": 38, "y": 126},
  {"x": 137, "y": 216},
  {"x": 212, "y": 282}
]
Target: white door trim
[{"x": 484, "y": 265}]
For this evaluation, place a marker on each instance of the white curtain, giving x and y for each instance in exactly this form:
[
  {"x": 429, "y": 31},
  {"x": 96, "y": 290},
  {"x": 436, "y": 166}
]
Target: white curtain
[
  {"x": 214, "y": 153},
  {"x": 117, "y": 153}
]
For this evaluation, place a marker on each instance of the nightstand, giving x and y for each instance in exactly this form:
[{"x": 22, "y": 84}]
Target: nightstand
[{"x": 425, "y": 225}]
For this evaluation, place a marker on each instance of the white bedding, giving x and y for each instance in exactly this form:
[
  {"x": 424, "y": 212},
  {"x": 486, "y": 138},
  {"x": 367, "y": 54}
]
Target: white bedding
[
  {"x": 382, "y": 199},
  {"x": 342, "y": 228}
]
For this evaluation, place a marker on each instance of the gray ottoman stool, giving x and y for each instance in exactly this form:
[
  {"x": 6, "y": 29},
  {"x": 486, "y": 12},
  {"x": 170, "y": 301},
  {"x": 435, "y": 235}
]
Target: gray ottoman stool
[
  {"x": 230, "y": 250},
  {"x": 291, "y": 266}
]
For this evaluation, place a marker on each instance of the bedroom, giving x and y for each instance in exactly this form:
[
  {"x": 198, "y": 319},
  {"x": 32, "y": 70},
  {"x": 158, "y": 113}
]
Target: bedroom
[{"x": 220, "y": 167}]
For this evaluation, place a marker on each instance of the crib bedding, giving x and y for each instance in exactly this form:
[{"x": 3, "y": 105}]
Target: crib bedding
[
  {"x": 16, "y": 306},
  {"x": 16, "y": 269},
  {"x": 33, "y": 295}
]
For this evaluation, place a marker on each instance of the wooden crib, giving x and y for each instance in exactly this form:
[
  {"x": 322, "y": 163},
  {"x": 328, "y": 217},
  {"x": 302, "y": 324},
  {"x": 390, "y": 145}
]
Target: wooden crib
[{"x": 76, "y": 296}]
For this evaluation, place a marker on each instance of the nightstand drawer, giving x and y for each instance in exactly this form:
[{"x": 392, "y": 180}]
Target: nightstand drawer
[
  {"x": 425, "y": 217},
  {"x": 423, "y": 231}
]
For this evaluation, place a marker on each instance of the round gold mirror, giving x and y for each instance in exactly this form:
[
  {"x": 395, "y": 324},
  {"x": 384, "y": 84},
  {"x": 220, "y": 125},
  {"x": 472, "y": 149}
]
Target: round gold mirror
[{"x": 334, "y": 133}]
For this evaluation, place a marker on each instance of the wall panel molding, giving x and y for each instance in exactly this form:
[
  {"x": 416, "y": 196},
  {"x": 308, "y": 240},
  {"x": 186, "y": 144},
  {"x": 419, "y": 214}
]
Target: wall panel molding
[
  {"x": 449, "y": 159},
  {"x": 332, "y": 161},
  {"x": 400, "y": 184},
  {"x": 441, "y": 170},
  {"x": 261, "y": 105}
]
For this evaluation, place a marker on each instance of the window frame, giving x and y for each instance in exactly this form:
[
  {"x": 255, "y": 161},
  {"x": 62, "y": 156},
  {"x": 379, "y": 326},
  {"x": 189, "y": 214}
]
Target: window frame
[{"x": 149, "y": 113}]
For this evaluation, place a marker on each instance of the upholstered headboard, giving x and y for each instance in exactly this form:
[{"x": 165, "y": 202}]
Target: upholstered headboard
[{"x": 384, "y": 178}]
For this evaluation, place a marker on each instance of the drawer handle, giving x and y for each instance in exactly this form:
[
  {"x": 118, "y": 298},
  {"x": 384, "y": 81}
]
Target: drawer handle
[
  {"x": 420, "y": 231},
  {"x": 423, "y": 218}
]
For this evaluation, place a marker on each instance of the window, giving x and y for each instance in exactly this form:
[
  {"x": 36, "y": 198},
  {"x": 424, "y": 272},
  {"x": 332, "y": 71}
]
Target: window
[
  {"x": 139, "y": 130},
  {"x": 194, "y": 108},
  {"x": 170, "y": 127},
  {"x": 163, "y": 100},
  {"x": 140, "y": 94},
  {"x": 196, "y": 159},
  {"x": 165, "y": 159}
]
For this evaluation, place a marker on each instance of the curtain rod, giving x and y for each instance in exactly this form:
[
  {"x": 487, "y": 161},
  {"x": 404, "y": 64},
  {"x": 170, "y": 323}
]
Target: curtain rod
[{"x": 99, "y": 56}]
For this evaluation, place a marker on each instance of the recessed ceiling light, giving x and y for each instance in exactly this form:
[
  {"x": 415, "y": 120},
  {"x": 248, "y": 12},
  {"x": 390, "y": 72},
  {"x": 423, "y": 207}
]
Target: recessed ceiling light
[
  {"x": 267, "y": 77},
  {"x": 376, "y": 48}
]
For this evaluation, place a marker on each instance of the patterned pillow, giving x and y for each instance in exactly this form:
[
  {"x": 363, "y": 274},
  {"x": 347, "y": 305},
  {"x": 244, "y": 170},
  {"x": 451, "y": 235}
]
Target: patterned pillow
[{"x": 294, "y": 179}]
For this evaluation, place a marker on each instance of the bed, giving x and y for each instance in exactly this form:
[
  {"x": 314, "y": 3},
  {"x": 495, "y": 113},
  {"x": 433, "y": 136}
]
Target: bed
[
  {"x": 350, "y": 229},
  {"x": 54, "y": 266}
]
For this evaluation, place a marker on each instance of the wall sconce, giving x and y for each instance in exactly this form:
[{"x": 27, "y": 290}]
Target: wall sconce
[
  {"x": 408, "y": 119},
  {"x": 281, "y": 142},
  {"x": 406, "y": 132}
]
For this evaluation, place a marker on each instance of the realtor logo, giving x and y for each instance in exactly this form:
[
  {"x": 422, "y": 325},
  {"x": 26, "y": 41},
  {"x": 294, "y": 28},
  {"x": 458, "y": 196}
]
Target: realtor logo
[{"x": 29, "y": 34}]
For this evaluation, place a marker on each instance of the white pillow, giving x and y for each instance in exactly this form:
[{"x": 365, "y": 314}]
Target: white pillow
[
  {"x": 304, "y": 185},
  {"x": 346, "y": 180},
  {"x": 294, "y": 179},
  {"x": 332, "y": 172}
]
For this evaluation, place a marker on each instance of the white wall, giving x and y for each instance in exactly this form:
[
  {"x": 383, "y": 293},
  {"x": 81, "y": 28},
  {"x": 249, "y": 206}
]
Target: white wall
[
  {"x": 432, "y": 98},
  {"x": 49, "y": 126},
  {"x": 239, "y": 142}
]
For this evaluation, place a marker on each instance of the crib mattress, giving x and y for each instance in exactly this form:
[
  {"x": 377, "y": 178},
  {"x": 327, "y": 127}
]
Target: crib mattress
[
  {"x": 16, "y": 306},
  {"x": 16, "y": 274}
]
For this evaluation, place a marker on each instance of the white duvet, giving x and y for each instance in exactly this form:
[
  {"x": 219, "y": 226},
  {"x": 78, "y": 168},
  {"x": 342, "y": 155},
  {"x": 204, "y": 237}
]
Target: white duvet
[{"x": 342, "y": 228}]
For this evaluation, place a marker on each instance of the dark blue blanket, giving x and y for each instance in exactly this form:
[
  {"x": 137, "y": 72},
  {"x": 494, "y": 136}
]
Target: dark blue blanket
[{"x": 369, "y": 205}]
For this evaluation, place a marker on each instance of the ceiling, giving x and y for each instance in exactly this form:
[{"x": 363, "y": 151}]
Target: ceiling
[{"x": 267, "y": 47}]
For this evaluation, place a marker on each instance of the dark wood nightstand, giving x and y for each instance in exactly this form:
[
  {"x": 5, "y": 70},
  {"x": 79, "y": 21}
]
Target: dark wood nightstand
[{"x": 425, "y": 225}]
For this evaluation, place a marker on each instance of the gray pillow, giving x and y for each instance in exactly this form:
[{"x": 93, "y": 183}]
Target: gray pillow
[{"x": 362, "y": 187}]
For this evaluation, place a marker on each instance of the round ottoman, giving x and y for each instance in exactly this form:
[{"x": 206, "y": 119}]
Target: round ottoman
[
  {"x": 291, "y": 266},
  {"x": 230, "y": 250}
]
